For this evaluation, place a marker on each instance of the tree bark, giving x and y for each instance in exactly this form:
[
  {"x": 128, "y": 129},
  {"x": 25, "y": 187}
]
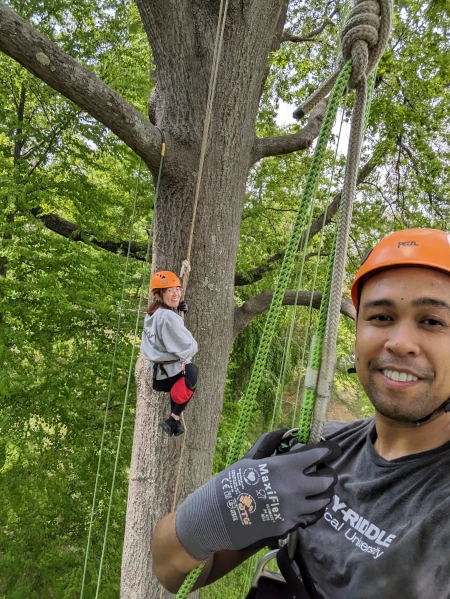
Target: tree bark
[
  {"x": 286, "y": 144},
  {"x": 69, "y": 230},
  {"x": 182, "y": 44},
  {"x": 46, "y": 60}
]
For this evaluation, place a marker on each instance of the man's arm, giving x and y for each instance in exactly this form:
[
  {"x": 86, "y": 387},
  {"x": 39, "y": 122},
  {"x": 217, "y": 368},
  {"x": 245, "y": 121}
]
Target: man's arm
[
  {"x": 228, "y": 518},
  {"x": 171, "y": 563}
]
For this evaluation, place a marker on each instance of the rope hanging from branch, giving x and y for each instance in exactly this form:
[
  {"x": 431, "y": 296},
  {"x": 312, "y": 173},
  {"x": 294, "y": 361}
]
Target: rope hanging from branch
[
  {"x": 186, "y": 268},
  {"x": 365, "y": 36},
  {"x": 186, "y": 265},
  {"x": 363, "y": 40}
]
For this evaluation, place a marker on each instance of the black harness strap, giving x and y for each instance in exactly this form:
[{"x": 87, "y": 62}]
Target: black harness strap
[
  {"x": 296, "y": 574},
  {"x": 270, "y": 589}
]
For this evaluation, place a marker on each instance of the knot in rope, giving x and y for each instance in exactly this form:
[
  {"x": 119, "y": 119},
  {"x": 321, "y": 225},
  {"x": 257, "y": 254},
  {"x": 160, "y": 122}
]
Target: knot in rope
[
  {"x": 365, "y": 35},
  {"x": 185, "y": 268}
]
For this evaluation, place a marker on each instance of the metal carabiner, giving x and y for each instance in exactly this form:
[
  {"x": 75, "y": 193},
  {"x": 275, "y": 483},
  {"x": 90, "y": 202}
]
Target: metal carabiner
[
  {"x": 260, "y": 571},
  {"x": 286, "y": 441}
]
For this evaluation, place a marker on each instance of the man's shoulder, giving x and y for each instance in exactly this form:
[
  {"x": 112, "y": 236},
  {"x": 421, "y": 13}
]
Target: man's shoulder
[{"x": 338, "y": 430}]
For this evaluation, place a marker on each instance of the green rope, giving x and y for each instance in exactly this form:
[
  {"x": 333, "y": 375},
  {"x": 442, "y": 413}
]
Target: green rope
[
  {"x": 127, "y": 391},
  {"x": 317, "y": 345},
  {"x": 305, "y": 236},
  {"x": 130, "y": 374},
  {"x": 307, "y": 199},
  {"x": 276, "y": 413},
  {"x": 130, "y": 370},
  {"x": 315, "y": 356},
  {"x": 111, "y": 378},
  {"x": 313, "y": 286}
]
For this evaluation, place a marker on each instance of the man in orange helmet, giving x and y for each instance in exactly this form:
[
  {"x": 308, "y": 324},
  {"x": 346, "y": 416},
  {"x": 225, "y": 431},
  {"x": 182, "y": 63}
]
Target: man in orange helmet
[{"x": 385, "y": 532}]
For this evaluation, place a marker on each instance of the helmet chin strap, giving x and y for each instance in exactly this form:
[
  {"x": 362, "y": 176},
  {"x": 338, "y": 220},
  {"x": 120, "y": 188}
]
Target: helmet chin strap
[{"x": 445, "y": 406}]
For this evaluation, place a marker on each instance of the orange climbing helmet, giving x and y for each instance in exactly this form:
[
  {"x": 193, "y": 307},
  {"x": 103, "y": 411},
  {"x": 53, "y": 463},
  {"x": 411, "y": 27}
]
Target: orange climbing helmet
[
  {"x": 163, "y": 279},
  {"x": 411, "y": 247}
]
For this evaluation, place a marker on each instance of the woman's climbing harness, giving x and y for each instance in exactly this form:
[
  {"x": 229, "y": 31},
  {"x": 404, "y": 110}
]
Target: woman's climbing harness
[{"x": 364, "y": 38}]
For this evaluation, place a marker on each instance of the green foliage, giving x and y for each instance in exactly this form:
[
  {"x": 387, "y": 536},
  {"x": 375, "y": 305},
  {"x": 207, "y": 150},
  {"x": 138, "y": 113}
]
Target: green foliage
[
  {"x": 59, "y": 306},
  {"x": 59, "y": 302}
]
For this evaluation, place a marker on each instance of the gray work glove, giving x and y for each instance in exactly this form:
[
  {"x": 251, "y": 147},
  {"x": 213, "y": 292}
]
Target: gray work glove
[{"x": 257, "y": 498}]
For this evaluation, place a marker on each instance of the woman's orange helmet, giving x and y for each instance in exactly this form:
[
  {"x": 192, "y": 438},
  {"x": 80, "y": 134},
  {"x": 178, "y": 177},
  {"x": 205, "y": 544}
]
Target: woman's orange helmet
[
  {"x": 163, "y": 279},
  {"x": 411, "y": 247}
]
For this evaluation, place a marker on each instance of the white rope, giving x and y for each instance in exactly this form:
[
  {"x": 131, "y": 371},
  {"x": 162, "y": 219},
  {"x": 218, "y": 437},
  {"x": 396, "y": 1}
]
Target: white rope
[
  {"x": 366, "y": 51},
  {"x": 186, "y": 265},
  {"x": 211, "y": 93}
]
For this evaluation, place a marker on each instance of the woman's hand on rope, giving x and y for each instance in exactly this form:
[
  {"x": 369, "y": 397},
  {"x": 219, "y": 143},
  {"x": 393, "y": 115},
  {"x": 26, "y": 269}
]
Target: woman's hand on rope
[
  {"x": 255, "y": 499},
  {"x": 182, "y": 306}
]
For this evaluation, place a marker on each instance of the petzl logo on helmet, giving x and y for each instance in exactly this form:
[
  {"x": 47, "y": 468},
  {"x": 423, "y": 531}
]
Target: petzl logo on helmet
[
  {"x": 163, "y": 279},
  {"x": 407, "y": 243}
]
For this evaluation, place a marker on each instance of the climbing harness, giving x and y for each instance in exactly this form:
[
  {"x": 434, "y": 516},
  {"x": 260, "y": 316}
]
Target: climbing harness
[{"x": 364, "y": 38}]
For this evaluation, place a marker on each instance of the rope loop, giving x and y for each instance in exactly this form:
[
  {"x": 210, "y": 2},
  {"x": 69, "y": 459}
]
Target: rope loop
[
  {"x": 365, "y": 35},
  {"x": 185, "y": 268},
  {"x": 364, "y": 38},
  {"x": 360, "y": 36}
]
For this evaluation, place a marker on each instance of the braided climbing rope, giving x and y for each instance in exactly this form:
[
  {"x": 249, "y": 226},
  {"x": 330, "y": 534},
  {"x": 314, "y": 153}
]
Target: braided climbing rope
[
  {"x": 307, "y": 198},
  {"x": 130, "y": 371},
  {"x": 310, "y": 405},
  {"x": 110, "y": 385},
  {"x": 366, "y": 49},
  {"x": 223, "y": 9},
  {"x": 364, "y": 38}
]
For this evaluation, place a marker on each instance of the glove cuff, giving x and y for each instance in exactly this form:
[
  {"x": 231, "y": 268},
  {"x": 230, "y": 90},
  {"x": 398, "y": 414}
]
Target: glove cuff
[{"x": 199, "y": 525}]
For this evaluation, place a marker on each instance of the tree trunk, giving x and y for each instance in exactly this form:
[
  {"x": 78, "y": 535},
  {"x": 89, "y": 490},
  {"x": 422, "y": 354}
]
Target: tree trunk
[{"x": 183, "y": 66}]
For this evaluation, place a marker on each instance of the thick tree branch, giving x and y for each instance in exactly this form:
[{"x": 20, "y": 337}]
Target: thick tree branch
[
  {"x": 288, "y": 37},
  {"x": 22, "y": 42},
  {"x": 258, "y": 273},
  {"x": 260, "y": 303},
  {"x": 71, "y": 231},
  {"x": 285, "y": 144}
]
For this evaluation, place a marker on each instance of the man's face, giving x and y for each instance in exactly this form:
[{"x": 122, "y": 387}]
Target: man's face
[{"x": 403, "y": 341}]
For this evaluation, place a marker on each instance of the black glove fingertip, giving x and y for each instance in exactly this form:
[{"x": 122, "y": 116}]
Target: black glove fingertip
[{"x": 265, "y": 445}]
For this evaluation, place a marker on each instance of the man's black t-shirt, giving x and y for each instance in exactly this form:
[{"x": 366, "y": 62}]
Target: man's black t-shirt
[{"x": 387, "y": 532}]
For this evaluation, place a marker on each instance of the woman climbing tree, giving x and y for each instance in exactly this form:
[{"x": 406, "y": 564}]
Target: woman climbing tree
[{"x": 169, "y": 346}]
